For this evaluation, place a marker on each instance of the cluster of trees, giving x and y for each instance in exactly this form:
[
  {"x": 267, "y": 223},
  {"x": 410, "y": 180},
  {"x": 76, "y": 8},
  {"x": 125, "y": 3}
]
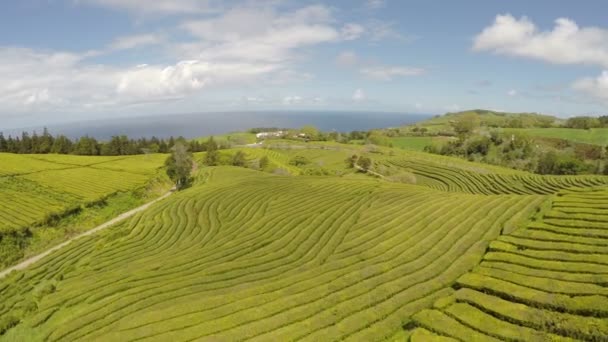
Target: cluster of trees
[
  {"x": 117, "y": 145},
  {"x": 522, "y": 152},
  {"x": 587, "y": 122}
]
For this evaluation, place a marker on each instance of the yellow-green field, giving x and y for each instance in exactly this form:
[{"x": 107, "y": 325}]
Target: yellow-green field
[
  {"x": 36, "y": 186},
  {"x": 430, "y": 248},
  {"x": 597, "y": 136},
  {"x": 545, "y": 282}
]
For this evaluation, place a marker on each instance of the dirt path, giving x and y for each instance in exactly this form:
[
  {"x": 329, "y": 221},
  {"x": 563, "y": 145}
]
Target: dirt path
[{"x": 27, "y": 262}]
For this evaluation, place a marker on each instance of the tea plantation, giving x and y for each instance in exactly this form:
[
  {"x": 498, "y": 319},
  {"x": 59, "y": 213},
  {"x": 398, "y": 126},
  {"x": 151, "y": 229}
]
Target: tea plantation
[{"x": 455, "y": 251}]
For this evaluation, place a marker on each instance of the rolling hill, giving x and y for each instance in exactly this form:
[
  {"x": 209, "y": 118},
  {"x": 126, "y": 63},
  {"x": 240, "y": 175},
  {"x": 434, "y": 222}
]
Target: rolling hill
[{"x": 249, "y": 255}]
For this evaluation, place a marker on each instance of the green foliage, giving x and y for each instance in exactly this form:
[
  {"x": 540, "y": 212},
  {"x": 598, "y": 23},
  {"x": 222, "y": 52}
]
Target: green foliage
[
  {"x": 179, "y": 165},
  {"x": 299, "y": 161},
  {"x": 583, "y": 122},
  {"x": 264, "y": 162},
  {"x": 364, "y": 163},
  {"x": 239, "y": 159},
  {"x": 212, "y": 157}
]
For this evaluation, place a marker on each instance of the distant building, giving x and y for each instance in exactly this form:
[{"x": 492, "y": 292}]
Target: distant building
[{"x": 263, "y": 135}]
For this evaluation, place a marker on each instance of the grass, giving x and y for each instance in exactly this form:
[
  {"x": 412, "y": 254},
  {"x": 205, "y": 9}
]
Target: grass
[
  {"x": 253, "y": 255},
  {"x": 417, "y": 143},
  {"x": 542, "y": 282},
  {"x": 439, "y": 249},
  {"x": 597, "y": 136},
  {"x": 46, "y": 198}
]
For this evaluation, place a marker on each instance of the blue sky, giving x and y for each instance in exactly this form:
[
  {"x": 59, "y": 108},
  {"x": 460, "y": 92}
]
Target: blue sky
[{"x": 67, "y": 60}]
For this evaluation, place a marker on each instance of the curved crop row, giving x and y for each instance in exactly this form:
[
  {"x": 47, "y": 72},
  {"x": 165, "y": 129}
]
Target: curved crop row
[{"x": 544, "y": 282}]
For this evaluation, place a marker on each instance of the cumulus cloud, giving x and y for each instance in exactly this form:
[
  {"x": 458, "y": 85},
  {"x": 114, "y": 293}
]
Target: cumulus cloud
[
  {"x": 566, "y": 43},
  {"x": 61, "y": 80},
  {"x": 596, "y": 87},
  {"x": 512, "y": 92},
  {"x": 244, "y": 45},
  {"x": 259, "y": 34},
  {"x": 388, "y": 73},
  {"x": 359, "y": 95}
]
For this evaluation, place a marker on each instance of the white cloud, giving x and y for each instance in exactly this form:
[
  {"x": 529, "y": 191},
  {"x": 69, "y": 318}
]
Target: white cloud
[
  {"x": 134, "y": 41},
  {"x": 566, "y": 43},
  {"x": 595, "y": 87},
  {"x": 352, "y": 31},
  {"x": 375, "y": 4},
  {"x": 255, "y": 34},
  {"x": 382, "y": 30},
  {"x": 291, "y": 100},
  {"x": 347, "y": 59},
  {"x": 387, "y": 73},
  {"x": 61, "y": 80},
  {"x": 157, "y": 6},
  {"x": 359, "y": 96},
  {"x": 512, "y": 92}
]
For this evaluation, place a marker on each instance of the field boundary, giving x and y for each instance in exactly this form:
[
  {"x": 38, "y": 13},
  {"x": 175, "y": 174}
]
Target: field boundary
[{"x": 29, "y": 261}]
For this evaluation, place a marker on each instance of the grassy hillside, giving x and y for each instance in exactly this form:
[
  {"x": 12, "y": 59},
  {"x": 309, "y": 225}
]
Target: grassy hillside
[
  {"x": 244, "y": 254},
  {"x": 487, "y": 118},
  {"x": 544, "y": 282},
  {"x": 46, "y": 197},
  {"x": 253, "y": 255},
  {"x": 597, "y": 136},
  {"x": 36, "y": 186}
]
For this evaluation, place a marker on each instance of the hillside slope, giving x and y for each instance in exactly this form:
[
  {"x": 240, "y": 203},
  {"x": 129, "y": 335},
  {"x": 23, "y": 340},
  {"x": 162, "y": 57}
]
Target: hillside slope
[
  {"x": 544, "y": 282},
  {"x": 251, "y": 255}
]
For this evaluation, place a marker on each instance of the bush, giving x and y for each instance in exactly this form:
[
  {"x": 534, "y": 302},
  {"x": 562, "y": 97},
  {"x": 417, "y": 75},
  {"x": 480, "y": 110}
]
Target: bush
[
  {"x": 299, "y": 161},
  {"x": 7, "y": 322}
]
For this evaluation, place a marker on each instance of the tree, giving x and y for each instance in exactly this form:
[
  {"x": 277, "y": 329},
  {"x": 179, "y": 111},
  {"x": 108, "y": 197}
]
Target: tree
[
  {"x": 212, "y": 157},
  {"x": 3, "y": 143},
  {"x": 239, "y": 159},
  {"x": 179, "y": 165},
  {"x": 264, "y": 161},
  {"x": 299, "y": 161},
  {"x": 45, "y": 142},
  {"x": 310, "y": 131},
  {"x": 351, "y": 161},
  {"x": 364, "y": 163},
  {"x": 61, "y": 145},
  {"x": 547, "y": 164},
  {"x": 465, "y": 124}
]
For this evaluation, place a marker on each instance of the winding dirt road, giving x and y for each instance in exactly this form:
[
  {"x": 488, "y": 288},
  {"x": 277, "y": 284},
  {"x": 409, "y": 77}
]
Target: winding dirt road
[{"x": 27, "y": 262}]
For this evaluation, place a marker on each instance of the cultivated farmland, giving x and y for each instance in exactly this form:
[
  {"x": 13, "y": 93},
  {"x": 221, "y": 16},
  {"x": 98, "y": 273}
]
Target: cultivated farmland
[
  {"x": 464, "y": 252},
  {"x": 36, "y": 186},
  {"x": 546, "y": 282}
]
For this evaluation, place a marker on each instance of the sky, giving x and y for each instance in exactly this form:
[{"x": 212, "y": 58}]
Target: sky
[{"x": 73, "y": 60}]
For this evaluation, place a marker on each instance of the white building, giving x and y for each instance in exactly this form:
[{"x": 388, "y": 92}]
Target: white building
[{"x": 263, "y": 135}]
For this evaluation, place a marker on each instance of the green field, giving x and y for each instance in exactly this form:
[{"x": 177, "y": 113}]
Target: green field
[
  {"x": 417, "y": 143},
  {"x": 597, "y": 136},
  {"x": 545, "y": 282},
  {"x": 432, "y": 248},
  {"x": 36, "y": 186}
]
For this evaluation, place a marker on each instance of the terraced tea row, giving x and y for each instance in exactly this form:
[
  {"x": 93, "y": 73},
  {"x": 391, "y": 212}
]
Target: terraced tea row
[
  {"x": 548, "y": 281},
  {"x": 36, "y": 186},
  {"x": 249, "y": 255},
  {"x": 455, "y": 179}
]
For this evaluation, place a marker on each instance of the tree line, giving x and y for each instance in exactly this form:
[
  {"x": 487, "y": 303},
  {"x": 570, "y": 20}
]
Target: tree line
[{"x": 88, "y": 146}]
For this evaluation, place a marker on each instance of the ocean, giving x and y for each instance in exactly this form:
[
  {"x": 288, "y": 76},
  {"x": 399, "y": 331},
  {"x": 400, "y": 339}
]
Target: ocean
[{"x": 204, "y": 124}]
